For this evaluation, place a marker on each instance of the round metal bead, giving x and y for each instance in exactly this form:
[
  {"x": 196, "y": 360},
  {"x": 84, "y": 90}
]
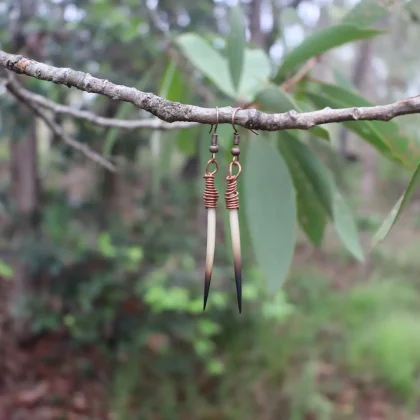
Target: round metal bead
[
  {"x": 214, "y": 148},
  {"x": 236, "y": 151}
]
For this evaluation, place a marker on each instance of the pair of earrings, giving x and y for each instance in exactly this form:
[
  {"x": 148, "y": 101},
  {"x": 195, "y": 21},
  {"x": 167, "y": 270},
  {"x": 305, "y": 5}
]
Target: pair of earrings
[{"x": 232, "y": 204}]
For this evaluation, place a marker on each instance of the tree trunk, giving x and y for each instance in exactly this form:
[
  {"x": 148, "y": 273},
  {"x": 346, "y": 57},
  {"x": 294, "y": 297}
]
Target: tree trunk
[
  {"x": 258, "y": 37},
  {"x": 25, "y": 183},
  {"x": 24, "y": 171},
  {"x": 360, "y": 71},
  {"x": 25, "y": 198}
]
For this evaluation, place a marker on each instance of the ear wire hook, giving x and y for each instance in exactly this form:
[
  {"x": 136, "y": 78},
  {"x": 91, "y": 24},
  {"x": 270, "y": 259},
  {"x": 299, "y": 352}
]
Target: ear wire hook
[
  {"x": 233, "y": 120},
  {"x": 217, "y": 122},
  {"x": 235, "y": 131}
]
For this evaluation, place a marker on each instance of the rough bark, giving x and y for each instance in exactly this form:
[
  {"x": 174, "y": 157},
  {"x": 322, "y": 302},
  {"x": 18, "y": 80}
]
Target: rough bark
[{"x": 174, "y": 111}]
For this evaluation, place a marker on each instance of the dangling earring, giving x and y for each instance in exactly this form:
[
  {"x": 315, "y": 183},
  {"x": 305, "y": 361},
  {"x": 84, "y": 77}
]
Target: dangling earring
[
  {"x": 210, "y": 201},
  {"x": 232, "y": 204}
]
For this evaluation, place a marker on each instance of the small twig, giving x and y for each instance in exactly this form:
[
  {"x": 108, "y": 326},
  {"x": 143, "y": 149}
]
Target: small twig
[
  {"x": 93, "y": 118},
  {"x": 303, "y": 71},
  {"x": 56, "y": 129}
]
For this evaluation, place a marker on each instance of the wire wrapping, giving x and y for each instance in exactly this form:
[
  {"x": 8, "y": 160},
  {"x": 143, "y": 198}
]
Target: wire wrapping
[
  {"x": 210, "y": 195},
  {"x": 232, "y": 194}
]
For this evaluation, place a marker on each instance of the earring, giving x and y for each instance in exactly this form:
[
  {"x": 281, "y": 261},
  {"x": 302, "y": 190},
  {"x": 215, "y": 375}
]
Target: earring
[
  {"x": 210, "y": 201},
  {"x": 232, "y": 204}
]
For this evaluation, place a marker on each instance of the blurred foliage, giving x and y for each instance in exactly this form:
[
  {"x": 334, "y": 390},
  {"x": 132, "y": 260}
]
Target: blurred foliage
[{"x": 117, "y": 262}]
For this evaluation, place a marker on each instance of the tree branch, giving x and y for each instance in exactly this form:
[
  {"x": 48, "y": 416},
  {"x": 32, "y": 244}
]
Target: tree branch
[
  {"x": 290, "y": 83},
  {"x": 56, "y": 129},
  {"x": 174, "y": 111},
  {"x": 94, "y": 118}
]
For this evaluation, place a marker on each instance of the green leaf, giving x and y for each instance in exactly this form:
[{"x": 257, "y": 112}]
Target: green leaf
[
  {"x": 363, "y": 128},
  {"x": 255, "y": 74},
  {"x": 319, "y": 43},
  {"x": 111, "y": 137},
  {"x": 366, "y": 12},
  {"x": 255, "y": 71},
  {"x": 6, "y": 271},
  {"x": 387, "y": 137},
  {"x": 327, "y": 192},
  {"x": 270, "y": 208},
  {"x": 206, "y": 59},
  {"x": 186, "y": 141},
  {"x": 342, "y": 81},
  {"x": 172, "y": 88},
  {"x": 225, "y": 136},
  {"x": 236, "y": 44},
  {"x": 208, "y": 327},
  {"x": 172, "y": 84},
  {"x": 311, "y": 212},
  {"x": 397, "y": 210},
  {"x": 135, "y": 254},
  {"x": 182, "y": 91},
  {"x": 105, "y": 245},
  {"x": 345, "y": 225},
  {"x": 274, "y": 99}
]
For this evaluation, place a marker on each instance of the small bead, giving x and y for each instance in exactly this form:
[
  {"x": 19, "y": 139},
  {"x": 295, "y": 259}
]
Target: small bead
[
  {"x": 214, "y": 148},
  {"x": 236, "y": 151}
]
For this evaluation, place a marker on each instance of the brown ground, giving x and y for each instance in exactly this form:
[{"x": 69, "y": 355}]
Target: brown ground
[{"x": 45, "y": 379}]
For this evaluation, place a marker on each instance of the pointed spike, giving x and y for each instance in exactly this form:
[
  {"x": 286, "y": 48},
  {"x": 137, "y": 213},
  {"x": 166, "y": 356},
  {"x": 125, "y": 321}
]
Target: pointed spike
[
  {"x": 211, "y": 243},
  {"x": 206, "y": 290},
  {"x": 236, "y": 246}
]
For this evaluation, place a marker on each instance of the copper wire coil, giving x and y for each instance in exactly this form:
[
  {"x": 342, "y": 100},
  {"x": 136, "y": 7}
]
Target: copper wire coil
[
  {"x": 232, "y": 194},
  {"x": 210, "y": 195}
]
